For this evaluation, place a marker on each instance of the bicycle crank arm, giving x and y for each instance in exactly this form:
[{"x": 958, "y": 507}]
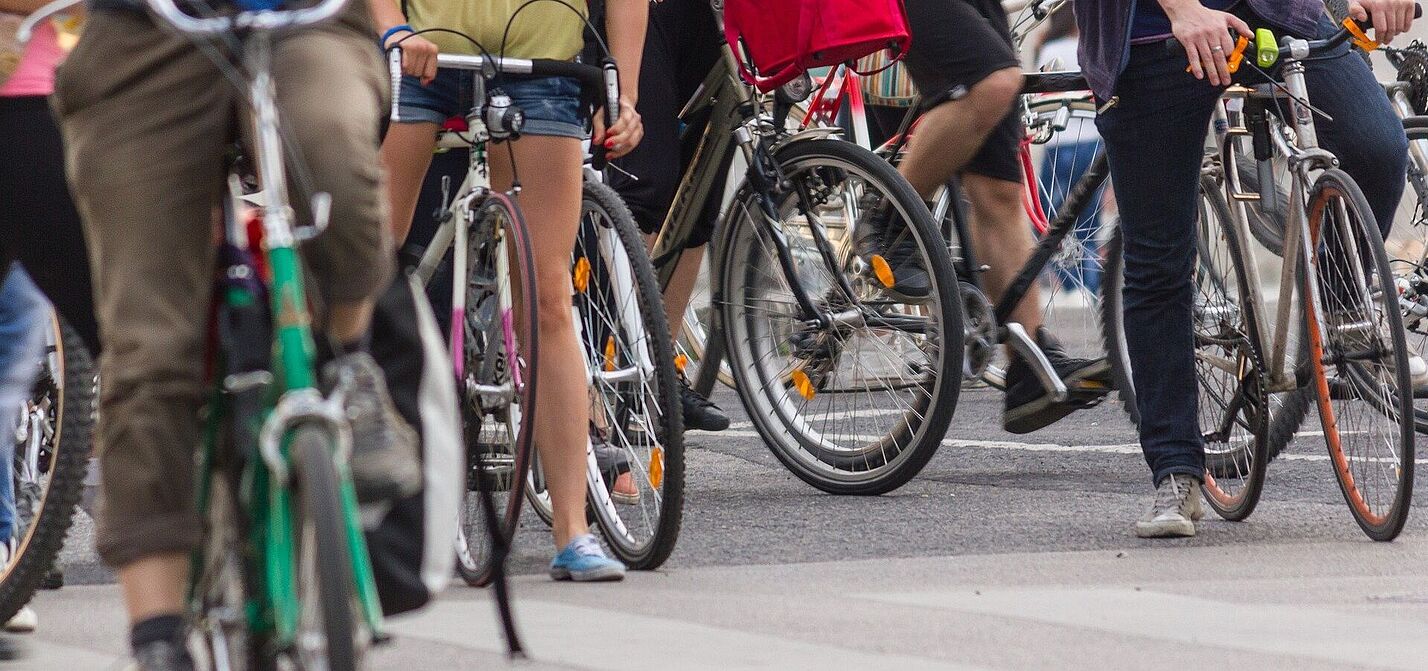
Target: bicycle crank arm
[{"x": 1022, "y": 344}]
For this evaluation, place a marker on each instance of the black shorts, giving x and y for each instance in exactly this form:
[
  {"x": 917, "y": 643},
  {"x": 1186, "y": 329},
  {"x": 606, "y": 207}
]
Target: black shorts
[{"x": 955, "y": 45}]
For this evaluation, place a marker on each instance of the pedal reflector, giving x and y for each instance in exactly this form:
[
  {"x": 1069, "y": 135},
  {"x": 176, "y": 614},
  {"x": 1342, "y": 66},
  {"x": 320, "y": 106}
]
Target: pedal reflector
[
  {"x": 680, "y": 361},
  {"x": 582, "y": 274},
  {"x": 656, "y": 467},
  {"x": 803, "y": 385},
  {"x": 883, "y": 271},
  {"x": 610, "y": 354}
]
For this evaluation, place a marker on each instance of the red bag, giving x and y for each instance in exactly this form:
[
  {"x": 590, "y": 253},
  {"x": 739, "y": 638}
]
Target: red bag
[{"x": 782, "y": 38}]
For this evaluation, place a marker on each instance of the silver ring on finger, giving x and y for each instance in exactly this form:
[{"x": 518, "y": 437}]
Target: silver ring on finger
[{"x": 1217, "y": 48}]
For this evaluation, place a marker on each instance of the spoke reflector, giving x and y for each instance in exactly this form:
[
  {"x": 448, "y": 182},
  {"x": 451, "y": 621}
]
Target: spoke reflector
[
  {"x": 656, "y": 468},
  {"x": 610, "y": 354},
  {"x": 883, "y": 271},
  {"x": 582, "y": 274},
  {"x": 803, "y": 384}
]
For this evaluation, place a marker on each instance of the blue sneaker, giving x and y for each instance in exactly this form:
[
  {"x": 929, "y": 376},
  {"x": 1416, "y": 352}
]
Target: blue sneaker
[{"x": 584, "y": 561}]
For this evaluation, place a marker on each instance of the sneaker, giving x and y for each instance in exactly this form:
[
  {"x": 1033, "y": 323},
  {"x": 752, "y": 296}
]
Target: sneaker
[
  {"x": 583, "y": 560},
  {"x": 24, "y": 621},
  {"x": 700, "y": 413},
  {"x": 1176, "y": 509},
  {"x": 162, "y": 656},
  {"x": 1030, "y": 407},
  {"x": 614, "y": 467},
  {"x": 54, "y": 579},
  {"x": 385, "y": 465},
  {"x": 878, "y": 234},
  {"x": 1418, "y": 373}
]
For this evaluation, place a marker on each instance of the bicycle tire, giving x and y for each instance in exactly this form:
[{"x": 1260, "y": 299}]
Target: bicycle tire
[
  {"x": 1352, "y": 375},
  {"x": 477, "y": 567},
  {"x": 1414, "y": 268},
  {"x": 42, "y": 539},
  {"x": 656, "y": 451},
  {"x": 328, "y": 568},
  {"x": 1227, "y": 332},
  {"x": 886, "y": 458}
]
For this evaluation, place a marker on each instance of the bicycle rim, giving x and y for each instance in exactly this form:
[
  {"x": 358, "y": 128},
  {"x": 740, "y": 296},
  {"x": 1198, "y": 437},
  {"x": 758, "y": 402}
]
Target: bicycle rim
[
  {"x": 636, "y": 480},
  {"x": 856, "y": 407},
  {"x": 498, "y": 385},
  {"x": 1359, "y": 358},
  {"x": 1228, "y": 366}
]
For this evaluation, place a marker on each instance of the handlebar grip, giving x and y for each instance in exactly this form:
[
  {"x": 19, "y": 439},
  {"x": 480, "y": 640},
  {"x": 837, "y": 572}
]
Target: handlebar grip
[{"x": 394, "y": 68}]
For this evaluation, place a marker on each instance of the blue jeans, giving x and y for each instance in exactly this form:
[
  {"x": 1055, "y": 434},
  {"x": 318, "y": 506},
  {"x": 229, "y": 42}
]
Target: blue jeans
[
  {"x": 23, "y": 310},
  {"x": 1154, "y": 139},
  {"x": 1061, "y": 168}
]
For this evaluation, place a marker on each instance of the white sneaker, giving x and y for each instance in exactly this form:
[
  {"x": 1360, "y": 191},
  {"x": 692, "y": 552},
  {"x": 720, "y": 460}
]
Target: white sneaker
[
  {"x": 1176, "y": 509},
  {"x": 25, "y": 621},
  {"x": 1418, "y": 372}
]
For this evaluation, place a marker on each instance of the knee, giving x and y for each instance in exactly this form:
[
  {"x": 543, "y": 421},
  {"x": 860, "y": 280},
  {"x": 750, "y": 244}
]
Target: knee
[
  {"x": 553, "y": 304},
  {"x": 997, "y": 92}
]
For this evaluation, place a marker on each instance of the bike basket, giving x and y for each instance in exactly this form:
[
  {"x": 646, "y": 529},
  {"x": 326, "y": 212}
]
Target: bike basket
[{"x": 775, "y": 40}]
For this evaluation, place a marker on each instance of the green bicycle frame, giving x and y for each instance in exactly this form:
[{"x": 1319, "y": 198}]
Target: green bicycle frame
[{"x": 272, "y": 609}]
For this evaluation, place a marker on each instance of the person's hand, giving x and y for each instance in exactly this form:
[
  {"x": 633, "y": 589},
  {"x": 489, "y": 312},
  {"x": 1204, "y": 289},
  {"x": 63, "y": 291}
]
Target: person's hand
[
  {"x": 418, "y": 55},
  {"x": 1205, "y": 34},
  {"x": 624, "y": 136},
  {"x": 1391, "y": 18}
]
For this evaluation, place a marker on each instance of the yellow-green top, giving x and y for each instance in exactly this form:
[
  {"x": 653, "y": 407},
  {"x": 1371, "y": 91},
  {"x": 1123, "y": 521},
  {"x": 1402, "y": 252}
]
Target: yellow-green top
[{"x": 543, "y": 30}]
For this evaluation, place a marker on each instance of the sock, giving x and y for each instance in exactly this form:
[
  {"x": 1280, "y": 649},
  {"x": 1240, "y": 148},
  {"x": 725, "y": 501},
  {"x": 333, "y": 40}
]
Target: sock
[
  {"x": 358, "y": 345},
  {"x": 155, "y": 629}
]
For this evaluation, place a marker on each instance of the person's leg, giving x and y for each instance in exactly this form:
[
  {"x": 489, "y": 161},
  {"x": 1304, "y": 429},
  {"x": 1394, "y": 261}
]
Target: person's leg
[
  {"x": 549, "y": 169},
  {"x": 1154, "y": 137},
  {"x": 1003, "y": 240},
  {"x": 24, "y": 315},
  {"x": 145, "y": 128},
  {"x": 950, "y": 134}
]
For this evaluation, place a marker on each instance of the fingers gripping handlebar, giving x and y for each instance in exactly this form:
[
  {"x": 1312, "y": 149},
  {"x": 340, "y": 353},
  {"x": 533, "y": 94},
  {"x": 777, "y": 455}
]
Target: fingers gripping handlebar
[
  {"x": 597, "y": 83},
  {"x": 1268, "y": 52}
]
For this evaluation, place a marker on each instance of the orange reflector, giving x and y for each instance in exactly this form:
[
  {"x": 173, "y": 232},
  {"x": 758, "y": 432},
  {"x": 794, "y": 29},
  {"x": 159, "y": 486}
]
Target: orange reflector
[
  {"x": 610, "y": 354},
  {"x": 656, "y": 467},
  {"x": 803, "y": 384},
  {"x": 582, "y": 274},
  {"x": 883, "y": 271},
  {"x": 680, "y": 361}
]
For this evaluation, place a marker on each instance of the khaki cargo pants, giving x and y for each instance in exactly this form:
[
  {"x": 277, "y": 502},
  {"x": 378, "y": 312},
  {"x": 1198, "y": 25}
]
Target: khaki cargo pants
[{"x": 147, "y": 120}]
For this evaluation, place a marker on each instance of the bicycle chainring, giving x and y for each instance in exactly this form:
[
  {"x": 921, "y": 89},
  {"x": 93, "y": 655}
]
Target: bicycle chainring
[
  {"x": 980, "y": 328},
  {"x": 1412, "y": 64}
]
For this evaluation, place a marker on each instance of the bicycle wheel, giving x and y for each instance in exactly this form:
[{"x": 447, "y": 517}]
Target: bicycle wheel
[
  {"x": 51, "y": 459},
  {"x": 218, "y": 598},
  {"x": 496, "y": 381},
  {"x": 694, "y": 342},
  {"x": 856, "y": 400},
  {"x": 1359, "y": 358},
  {"x": 1408, "y": 254},
  {"x": 636, "y": 411},
  {"x": 1228, "y": 364},
  {"x": 327, "y": 632}
]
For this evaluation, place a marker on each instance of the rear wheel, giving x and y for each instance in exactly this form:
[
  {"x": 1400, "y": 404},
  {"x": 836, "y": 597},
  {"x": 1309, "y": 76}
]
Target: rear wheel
[
  {"x": 1233, "y": 399},
  {"x": 1359, "y": 358},
  {"x": 1408, "y": 253},
  {"x": 856, "y": 399},
  {"x": 51, "y": 458},
  {"x": 637, "y": 477},
  {"x": 496, "y": 383}
]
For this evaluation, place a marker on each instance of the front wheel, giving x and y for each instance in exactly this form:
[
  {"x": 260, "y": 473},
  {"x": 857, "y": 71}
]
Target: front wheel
[
  {"x": 1359, "y": 357},
  {"x": 855, "y": 398},
  {"x": 326, "y": 636}
]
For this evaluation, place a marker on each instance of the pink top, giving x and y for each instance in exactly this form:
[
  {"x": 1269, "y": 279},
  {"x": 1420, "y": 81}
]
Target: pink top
[{"x": 35, "y": 75}]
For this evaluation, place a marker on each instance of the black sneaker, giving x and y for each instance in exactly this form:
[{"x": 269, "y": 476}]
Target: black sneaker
[
  {"x": 700, "y": 413},
  {"x": 1030, "y": 407},
  {"x": 879, "y": 235},
  {"x": 162, "y": 656}
]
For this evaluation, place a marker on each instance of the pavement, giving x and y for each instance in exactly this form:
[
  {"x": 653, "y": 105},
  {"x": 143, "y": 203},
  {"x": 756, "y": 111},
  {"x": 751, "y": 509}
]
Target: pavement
[{"x": 1007, "y": 552}]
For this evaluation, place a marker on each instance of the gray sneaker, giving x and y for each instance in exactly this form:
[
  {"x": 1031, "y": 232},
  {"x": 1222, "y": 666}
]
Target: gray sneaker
[
  {"x": 1176, "y": 509},
  {"x": 385, "y": 464},
  {"x": 162, "y": 656}
]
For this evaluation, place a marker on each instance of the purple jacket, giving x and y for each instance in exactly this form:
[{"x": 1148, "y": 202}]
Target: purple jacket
[{"x": 1106, "y": 24}]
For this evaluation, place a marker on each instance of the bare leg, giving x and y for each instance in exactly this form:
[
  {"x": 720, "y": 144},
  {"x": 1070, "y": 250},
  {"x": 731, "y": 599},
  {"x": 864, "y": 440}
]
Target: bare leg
[
  {"x": 1002, "y": 238},
  {"x": 406, "y": 155},
  {"x": 681, "y": 288},
  {"x": 949, "y": 135},
  {"x": 549, "y": 171},
  {"x": 155, "y": 585}
]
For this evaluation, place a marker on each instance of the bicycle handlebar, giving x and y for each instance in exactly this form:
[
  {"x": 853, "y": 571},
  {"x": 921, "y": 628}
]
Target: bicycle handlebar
[
  {"x": 265, "y": 20},
  {"x": 1342, "y": 35},
  {"x": 600, "y": 82}
]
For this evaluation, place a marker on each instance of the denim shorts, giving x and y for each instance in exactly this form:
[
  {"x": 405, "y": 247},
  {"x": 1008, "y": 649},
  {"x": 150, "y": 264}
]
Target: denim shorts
[{"x": 551, "y": 105}]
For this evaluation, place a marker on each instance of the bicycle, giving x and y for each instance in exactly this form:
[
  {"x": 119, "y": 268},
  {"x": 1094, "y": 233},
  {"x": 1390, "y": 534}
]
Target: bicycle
[
  {"x": 282, "y": 574},
  {"x": 1346, "y": 316},
  {"x": 496, "y": 351},
  {"x": 851, "y": 385},
  {"x": 55, "y": 436}
]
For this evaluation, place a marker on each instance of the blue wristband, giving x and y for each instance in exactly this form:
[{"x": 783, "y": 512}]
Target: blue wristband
[{"x": 393, "y": 31}]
